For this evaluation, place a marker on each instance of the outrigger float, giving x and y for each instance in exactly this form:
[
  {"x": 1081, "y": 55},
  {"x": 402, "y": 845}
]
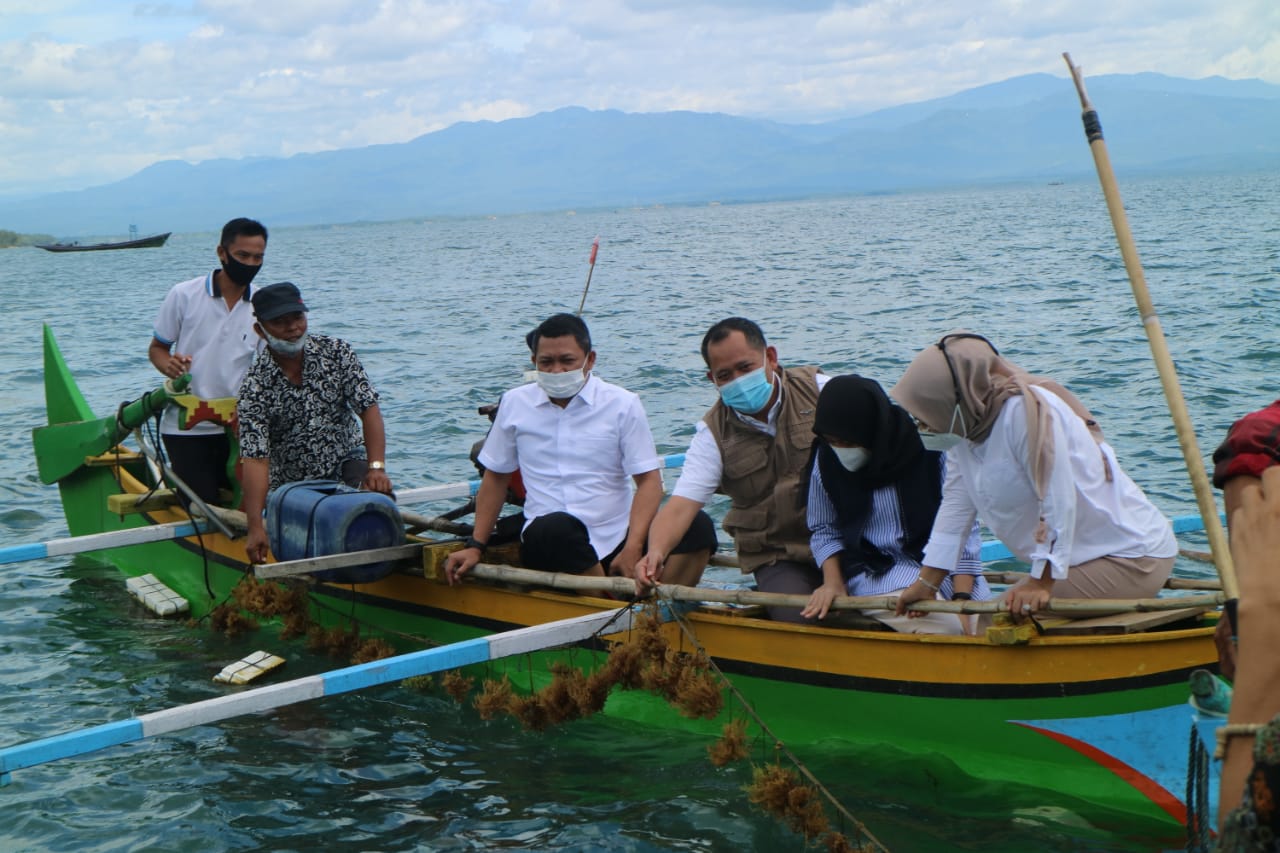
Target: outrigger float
[{"x": 1091, "y": 717}]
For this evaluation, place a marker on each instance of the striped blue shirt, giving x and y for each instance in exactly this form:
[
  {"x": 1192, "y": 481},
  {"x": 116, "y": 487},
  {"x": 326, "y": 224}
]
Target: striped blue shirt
[{"x": 883, "y": 528}]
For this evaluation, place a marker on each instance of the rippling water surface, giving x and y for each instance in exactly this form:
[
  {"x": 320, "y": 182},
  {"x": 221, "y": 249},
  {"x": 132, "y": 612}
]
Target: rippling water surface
[{"x": 438, "y": 310}]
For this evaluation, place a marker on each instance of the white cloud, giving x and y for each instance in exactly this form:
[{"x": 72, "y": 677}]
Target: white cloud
[{"x": 92, "y": 91}]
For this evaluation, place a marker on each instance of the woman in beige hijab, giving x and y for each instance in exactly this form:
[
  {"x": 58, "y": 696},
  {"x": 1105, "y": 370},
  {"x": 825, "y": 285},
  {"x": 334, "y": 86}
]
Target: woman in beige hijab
[{"x": 1027, "y": 459}]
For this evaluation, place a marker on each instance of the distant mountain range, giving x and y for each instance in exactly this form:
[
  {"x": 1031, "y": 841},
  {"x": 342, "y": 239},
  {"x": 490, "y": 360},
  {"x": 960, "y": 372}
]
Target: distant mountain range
[{"x": 1022, "y": 129}]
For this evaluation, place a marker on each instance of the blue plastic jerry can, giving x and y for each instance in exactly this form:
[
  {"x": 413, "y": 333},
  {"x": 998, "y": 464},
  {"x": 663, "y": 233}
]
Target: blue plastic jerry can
[{"x": 318, "y": 518}]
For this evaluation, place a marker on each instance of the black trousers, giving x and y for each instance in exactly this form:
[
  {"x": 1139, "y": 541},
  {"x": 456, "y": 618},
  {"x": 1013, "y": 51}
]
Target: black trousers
[
  {"x": 558, "y": 542},
  {"x": 201, "y": 462}
]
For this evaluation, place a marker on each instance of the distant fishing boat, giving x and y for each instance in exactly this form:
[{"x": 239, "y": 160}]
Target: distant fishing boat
[{"x": 134, "y": 242}]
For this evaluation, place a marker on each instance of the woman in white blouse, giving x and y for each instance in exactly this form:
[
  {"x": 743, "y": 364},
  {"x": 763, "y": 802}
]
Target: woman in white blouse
[{"x": 1029, "y": 461}]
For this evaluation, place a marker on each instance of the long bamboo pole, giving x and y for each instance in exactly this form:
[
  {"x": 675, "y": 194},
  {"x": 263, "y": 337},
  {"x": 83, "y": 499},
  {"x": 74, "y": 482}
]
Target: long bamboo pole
[
  {"x": 623, "y": 587},
  {"x": 1159, "y": 348}
]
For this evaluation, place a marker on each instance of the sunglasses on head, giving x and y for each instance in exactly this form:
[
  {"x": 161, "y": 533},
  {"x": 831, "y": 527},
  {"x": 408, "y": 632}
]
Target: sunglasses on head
[{"x": 942, "y": 345}]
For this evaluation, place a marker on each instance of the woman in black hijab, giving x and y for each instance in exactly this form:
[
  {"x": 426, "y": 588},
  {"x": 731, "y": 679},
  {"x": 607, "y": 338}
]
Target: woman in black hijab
[{"x": 873, "y": 493}]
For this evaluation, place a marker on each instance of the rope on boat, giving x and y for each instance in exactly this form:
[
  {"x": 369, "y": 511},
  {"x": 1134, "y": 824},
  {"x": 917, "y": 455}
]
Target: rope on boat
[
  {"x": 1198, "y": 815},
  {"x": 688, "y": 632},
  {"x": 157, "y": 461}
]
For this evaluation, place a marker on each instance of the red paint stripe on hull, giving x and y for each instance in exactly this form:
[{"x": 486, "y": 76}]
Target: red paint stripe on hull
[{"x": 1149, "y": 788}]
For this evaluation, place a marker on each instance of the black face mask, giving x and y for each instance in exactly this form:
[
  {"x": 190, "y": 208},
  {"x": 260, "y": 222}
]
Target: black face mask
[{"x": 241, "y": 274}]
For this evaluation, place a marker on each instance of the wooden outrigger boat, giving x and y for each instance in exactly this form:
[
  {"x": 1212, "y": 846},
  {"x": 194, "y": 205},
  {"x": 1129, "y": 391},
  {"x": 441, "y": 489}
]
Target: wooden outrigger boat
[{"x": 1095, "y": 724}]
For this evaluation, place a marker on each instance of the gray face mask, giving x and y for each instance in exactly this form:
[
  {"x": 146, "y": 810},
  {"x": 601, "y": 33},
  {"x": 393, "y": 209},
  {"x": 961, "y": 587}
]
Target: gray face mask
[
  {"x": 283, "y": 347},
  {"x": 943, "y": 441},
  {"x": 940, "y": 441}
]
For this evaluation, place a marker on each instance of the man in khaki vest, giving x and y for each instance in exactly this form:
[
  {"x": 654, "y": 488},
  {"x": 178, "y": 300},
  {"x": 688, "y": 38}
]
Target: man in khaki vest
[{"x": 753, "y": 445}]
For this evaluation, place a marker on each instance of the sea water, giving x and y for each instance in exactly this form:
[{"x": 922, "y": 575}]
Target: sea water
[{"x": 438, "y": 310}]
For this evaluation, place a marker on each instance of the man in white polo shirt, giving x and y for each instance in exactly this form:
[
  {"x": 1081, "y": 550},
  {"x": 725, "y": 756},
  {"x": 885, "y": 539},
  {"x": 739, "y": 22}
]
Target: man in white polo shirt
[
  {"x": 205, "y": 328},
  {"x": 576, "y": 441}
]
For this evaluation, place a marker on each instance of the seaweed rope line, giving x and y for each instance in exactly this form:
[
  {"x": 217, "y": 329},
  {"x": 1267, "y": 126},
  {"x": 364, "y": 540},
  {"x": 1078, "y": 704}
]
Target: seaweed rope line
[
  {"x": 689, "y": 633},
  {"x": 572, "y": 647}
]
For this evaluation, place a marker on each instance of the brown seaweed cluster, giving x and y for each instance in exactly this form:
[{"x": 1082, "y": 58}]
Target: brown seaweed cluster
[
  {"x": 457, "y": 685},
  {"x": 494, "y": 698},
  {"x": 252, "y": 598},
  {"x": 228, "y": 620},
  {"x": 731, "y": 745},
  {"x": 421, "y": 683},
  {"x": 647, "y": 662},
  {"x": 335, "y": 642},
  {"x": 644, "y": 662},
  {"x": 372, "y": 649},
  {"x": 779, "y": 791}
]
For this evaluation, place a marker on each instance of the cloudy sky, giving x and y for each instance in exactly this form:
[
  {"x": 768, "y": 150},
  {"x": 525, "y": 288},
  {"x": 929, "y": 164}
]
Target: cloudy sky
[{"x": 93, "y": 90}]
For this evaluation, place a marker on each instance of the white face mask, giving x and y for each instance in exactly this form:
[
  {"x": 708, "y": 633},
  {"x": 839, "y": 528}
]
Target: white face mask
[
  {"x": 562, "y": 386},
  {"x": 286, "y": 348},
  {"x": 852, "y": 458},
  {"x": 943, "y": 441}
]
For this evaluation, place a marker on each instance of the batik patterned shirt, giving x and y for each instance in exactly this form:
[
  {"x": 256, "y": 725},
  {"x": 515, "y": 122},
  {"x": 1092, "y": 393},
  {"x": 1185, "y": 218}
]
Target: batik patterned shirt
[{"x": 305, "y": 431}]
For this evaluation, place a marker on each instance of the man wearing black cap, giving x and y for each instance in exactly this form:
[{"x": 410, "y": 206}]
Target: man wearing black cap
[
  {"x": 298, "y": 409},
  {"x": 205, "y": 327}
]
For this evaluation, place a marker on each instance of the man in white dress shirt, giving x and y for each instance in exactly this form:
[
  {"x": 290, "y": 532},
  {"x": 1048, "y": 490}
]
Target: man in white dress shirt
[{"x": 578, "y": 443}]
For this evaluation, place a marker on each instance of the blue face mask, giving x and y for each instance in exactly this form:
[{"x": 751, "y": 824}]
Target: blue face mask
[{"x": 748, "y": 393}]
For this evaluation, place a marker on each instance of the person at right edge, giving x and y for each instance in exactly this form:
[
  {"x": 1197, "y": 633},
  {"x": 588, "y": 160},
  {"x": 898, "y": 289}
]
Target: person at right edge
[
  {"x": 1028, "y": 460},
  {"x": 1248, "y": 817},
  {"x": 1251, "y": 447}
]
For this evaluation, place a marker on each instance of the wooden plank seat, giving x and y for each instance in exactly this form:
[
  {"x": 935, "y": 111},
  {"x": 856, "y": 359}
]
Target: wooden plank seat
[
  {"x": 118, "y": 456},
  {"x": 126, "y": 504},
  {"x": 1122, "y": 623}
]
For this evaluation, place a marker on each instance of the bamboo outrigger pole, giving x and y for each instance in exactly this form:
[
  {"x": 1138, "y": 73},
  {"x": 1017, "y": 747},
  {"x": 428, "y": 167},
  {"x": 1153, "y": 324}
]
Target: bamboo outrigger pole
[{"x": 1159, "y": 349}]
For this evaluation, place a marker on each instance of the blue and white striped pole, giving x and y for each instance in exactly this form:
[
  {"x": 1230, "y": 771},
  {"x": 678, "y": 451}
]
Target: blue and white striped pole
[
  {"x": 344, "y": 680},
  {"x": 99, "y": 541}
]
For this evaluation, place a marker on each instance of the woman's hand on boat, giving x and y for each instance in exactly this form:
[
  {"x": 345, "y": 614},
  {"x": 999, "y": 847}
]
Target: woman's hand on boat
[
  {"x": 459, "y": 563},
  {"x": 255, "y": 544},
  {"x": 820, "y": 601},
  {"x": 1029, "y": 596}
]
